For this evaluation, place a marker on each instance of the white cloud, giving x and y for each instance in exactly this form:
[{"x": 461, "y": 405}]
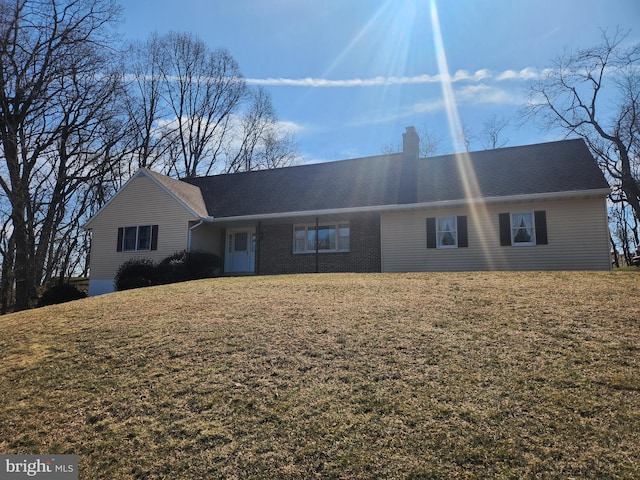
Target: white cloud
[
  {"x": 482, "y": 93},
  {"x": 471, "y": 95},
  {"x": 463, "y": 75},
  {"x": 290, "y": 127},
  {"x": 354, "y": 82},
  {"x": 458, "y": 77},
  {"x": 524, "y": 74},
  {"x": 429, "y": 106},
  {"x": 508, "y": 75},
  {"x": 465, "y": 95}
]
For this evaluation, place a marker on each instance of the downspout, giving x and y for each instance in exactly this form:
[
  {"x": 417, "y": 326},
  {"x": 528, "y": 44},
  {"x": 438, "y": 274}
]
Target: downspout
[
  {"x": 191, "y": 233},
  {"x": 317, "y": 246}
]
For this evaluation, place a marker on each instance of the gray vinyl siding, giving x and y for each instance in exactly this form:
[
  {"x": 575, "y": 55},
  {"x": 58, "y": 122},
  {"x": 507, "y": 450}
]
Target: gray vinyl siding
[
  {"x": 208, "y": 238},
  {"x": 576, "y": 228}
]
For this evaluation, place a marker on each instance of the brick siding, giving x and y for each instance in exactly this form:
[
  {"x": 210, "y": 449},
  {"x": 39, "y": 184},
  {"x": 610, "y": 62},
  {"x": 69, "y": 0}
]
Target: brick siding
[{"x": 275, "y": 250}]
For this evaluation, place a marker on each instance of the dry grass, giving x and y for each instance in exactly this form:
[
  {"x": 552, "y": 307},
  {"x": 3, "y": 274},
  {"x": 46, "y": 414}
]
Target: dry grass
[{"x": 470, "y": 375}]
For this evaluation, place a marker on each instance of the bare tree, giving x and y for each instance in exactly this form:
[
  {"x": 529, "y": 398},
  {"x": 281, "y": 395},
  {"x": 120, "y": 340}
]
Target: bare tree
[
  {"x": 279, "y": 149},
  {"x": 203, "y": 89},
  {"x": 252, "y": 128},
  {"x": 492, "y": 129},
  {"x": 430, "y": 143},
  {"x": 56, "y": 90},
  {"x": 390, "y": 148},
  {"x": 191, "y": 111},
  {"x": 260, "y": 142},
  {"x": 595, "y": 93},
  {"x": 143, "y": 103},
  {"x": 465, "y": 137},
  {"x": 7, "y": 250},
  {"x": 624, "y": 232}
]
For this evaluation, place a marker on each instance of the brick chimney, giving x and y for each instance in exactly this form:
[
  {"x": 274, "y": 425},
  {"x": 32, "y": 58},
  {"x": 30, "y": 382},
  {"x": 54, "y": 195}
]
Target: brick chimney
[
  {"x": 408, "y": 187},
  {"x": 411, "y": 143}
]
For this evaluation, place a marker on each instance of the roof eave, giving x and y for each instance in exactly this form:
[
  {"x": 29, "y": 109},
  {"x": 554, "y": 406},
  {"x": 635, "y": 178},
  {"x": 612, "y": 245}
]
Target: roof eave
[{"x": 416, "y": 206}]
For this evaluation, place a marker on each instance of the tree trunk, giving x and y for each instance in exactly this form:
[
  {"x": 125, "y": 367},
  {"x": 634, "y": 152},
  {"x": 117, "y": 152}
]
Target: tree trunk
[
  {"x": 629, "y": 185},
  {"x": 614, "y": 250},
  {"x": 22, "y": 271},
  {"x": 7, "y": 277}
]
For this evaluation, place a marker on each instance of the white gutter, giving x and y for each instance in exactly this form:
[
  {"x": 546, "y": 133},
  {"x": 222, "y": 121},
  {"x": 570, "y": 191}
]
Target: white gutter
[{"x": 415, "y": 206}]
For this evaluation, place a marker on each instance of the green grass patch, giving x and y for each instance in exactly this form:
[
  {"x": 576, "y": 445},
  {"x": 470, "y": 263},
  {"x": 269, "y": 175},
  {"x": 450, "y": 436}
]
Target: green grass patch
[{"x": 466, "y": 375}]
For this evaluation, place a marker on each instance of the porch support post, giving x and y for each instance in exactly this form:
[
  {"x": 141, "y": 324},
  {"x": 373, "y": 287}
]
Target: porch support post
[
  {"x": 257, "y": 252},
  {"x": 317, "y": 245}
]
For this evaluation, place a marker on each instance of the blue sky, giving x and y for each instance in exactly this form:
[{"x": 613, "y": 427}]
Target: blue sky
[{"x": 349, "y": 75}]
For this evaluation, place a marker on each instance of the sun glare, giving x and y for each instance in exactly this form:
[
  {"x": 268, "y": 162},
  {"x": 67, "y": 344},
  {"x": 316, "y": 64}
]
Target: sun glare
[
  {"x": 463, "y": 161},
  {"x": 381, "y": 47},
  {"x": 390, "y": 25}
]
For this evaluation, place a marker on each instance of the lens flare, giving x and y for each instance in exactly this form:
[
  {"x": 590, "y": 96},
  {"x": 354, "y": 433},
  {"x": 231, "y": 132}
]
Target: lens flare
[{"x": 478, "y": 209}]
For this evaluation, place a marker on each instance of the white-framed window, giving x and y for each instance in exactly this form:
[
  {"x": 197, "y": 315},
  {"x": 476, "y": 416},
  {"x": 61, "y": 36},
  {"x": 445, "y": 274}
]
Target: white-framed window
[
  {"x": 446, "y": 232},
  {"x": 140, "y": 237},
  {"x": 327, "y": 238},
  {"x": 523, "y": 229}
]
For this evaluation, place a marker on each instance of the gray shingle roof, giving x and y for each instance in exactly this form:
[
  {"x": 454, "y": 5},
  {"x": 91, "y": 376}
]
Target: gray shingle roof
[
  {"x": 188, "y": 194},
  {"x": 379, "y": 180}
]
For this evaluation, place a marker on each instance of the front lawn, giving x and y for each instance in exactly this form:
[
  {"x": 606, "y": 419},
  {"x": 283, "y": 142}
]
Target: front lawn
[{"x": 466, "y": 375}]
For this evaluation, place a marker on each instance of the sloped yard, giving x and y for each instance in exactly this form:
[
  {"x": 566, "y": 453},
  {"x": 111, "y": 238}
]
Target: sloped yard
[{"x": 468, "y": 375}]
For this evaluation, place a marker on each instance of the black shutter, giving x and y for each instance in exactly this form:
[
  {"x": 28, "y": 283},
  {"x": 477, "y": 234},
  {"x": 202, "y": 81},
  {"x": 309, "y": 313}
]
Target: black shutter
[
  {"x": 463, "y": 239},
  {"x": 154, "y": 237},
  {"x": 541, "y": 227},
  {"x": 431, "y": 232},
  {"x": 120, "y": 235},
  {"x": 505, "y": 229}
]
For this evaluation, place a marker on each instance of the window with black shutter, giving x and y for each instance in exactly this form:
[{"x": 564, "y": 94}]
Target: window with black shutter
[
  {"x": 523, "y": 228},
  {"x": 447, "y": 232}
]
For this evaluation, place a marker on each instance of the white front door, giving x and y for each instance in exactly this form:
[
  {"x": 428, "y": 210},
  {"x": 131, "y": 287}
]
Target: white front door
[{"x": 241, "y": 251}]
